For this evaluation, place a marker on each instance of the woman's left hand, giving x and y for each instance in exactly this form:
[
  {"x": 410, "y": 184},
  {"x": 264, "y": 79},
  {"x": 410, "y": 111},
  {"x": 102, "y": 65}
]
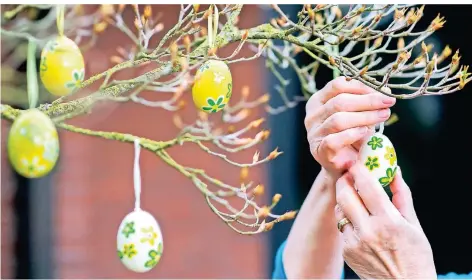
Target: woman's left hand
[{"x": 383, "y": 239}]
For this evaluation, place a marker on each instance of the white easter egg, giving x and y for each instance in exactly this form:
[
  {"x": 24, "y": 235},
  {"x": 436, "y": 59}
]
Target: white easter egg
[
  {"x": 378, "y": 156},
  {"x": 139, "y": 241}
]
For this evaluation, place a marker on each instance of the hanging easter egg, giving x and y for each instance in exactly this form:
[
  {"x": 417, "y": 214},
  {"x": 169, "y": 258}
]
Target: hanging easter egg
[
  {"x": 139, "y": 241},
  {"x": 378, "y": 155},
  {"x": 62, "y": 67},
  {"x": 33, "y": 144},
  {"x": 213, "y": 86}
]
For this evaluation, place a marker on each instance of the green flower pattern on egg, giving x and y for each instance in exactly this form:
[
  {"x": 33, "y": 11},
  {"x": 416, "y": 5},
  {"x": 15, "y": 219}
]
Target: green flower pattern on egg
[{"x": 378, "y": 155}]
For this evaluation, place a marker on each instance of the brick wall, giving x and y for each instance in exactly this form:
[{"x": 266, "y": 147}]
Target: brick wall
[{"x": 94, "y": 187}]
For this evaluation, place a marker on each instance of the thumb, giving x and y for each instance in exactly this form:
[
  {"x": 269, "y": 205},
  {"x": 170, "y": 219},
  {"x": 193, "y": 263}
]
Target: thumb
[{"x": 402, "y": 198}]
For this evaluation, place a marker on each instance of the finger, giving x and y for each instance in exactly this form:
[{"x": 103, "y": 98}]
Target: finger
[
  {"x": 347, "y": 231},
  {"x": 402, "y": 198},
  {"x": 346, "y": 102},
  {"x": 350, "y": 202},
  {"x": 340, "y": 85},
  {"x": 371, "y": 192},
  {"x": 336, "y": 141},
  {"x": 339, "y": 215},
  {"x": 358, "y": 144},
  {"x": 345, "y": 120}
]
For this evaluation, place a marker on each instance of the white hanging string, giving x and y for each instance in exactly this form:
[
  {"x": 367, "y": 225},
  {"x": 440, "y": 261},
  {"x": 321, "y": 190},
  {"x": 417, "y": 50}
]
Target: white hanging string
[
  {"x": 137, "y": 176},
  {"x": 381, "y": 127}
]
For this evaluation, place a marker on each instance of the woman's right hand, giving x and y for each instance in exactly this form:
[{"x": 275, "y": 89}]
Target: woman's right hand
[{"x": 340, "y": 115}]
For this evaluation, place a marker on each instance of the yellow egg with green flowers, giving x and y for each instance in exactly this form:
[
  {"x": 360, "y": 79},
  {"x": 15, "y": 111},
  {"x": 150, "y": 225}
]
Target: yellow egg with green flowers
[
  {"x": 33, "y": 144},
  {"x": 213, "y": 86},
  {"x": 62, "y": 67}
]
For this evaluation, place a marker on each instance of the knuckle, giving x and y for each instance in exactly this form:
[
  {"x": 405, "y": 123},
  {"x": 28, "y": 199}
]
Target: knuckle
[
  {"x": 336, "y": 122},
  {"x": 338, "y": 103},
  {"x": 368, "y": 236},
  {"x": 328, "y": 143}
]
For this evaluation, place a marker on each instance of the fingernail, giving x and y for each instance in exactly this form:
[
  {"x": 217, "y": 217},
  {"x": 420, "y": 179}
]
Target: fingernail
[
  {"x": 388, "y": 100},
  {"x": 384, "y": 113}
]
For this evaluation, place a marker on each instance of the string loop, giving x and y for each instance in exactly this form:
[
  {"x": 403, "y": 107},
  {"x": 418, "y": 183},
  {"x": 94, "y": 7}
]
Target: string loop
[
  {"x": 60, "y": 19},
  {"x": 137, "y": 176}
]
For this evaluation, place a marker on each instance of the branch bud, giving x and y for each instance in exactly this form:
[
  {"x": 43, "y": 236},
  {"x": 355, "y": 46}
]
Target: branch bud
[
  {"x": 337, "y": 11},
  {"x": 181, "y": 104},
  {"x": 400, "y": 43},
  {"x": 378, "y": 17},
  {"x": 158, "y": 28},
  {"x": 107, "y": 10},
  {"x": 257, "y": 123},
  {"x": 269, "y": 226},
  {"x": 121, "y": 7},
  {"x": 288, "y": 216},
  {"x": 276, "y": 198},
  {"x": 173, "y": 51},
  {"x": 255, "y": 157},
  {"x": 196, "y": 7},
  {"x": 311, "y": 14},
  {"x": 116, "y": 59},
  {"x": 446, "y": 52},
  {"x": 263, "y": 135},
  {"x": 264, "y": 99},
  {"x": 437, "y": 23},
  {"x": 187, "y": 43},
  {"x": 456, "y": 57},
  {"x": 212, "y": 51},
  {"x": 319, "y": 19},
  {"x": 431, "y": 64},
  {"x": 361, "y": 10},
  {"x": 136, "y": 22},
  {"x": 274, "y": 22},
  {"x": 275, "y": 153},
  {"x": 332, "y": 61},
  {"x": 378, "y": 42},
  {"x": 208, "y": 12},
  {"x": 320, "y": 6},
  {"x": 244, "y": 174},
  {"x": 99, "y": 27},
  {"x": 258, "y": 190},
  {"x": 147, "y": 11},
  {"x": 263, "y": 212},
  {"x": 357, "y": 30},
  {"x": 363, "y": 71},
  {"x": 245, "y": 35}
]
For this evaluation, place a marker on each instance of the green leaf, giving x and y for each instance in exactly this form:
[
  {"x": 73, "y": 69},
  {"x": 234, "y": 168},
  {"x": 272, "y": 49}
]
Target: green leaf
[{"x": 32, "y": 75}]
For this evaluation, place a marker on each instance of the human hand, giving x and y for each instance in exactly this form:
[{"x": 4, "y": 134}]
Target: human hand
[
  {"x": 383, "y": 239},
  {"x": 338, "y": 117}
]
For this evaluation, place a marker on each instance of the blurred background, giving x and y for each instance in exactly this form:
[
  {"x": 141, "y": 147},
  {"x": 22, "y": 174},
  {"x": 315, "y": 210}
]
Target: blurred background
[{"x": 64, "y": 225}]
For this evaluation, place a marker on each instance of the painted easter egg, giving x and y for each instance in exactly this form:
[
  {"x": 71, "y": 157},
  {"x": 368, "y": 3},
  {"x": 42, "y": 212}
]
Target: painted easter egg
[
  {"x": 213, "y": 86},
  {"x": 62, "y": 67},
  {"x": 139, "y": 241},
  {"x": 378, "y": 156},
  {"x": 33, "y": 144}
]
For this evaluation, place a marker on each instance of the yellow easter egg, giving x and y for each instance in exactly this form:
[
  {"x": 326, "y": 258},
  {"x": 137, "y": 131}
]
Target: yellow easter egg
[
  {"x": 213, "y": 86},
  {"x": 33, "y": 144},
  {"x": 62, "y": 67},
  {"x": 139, "y": 241},
  {"x": 379, "y": 157}
]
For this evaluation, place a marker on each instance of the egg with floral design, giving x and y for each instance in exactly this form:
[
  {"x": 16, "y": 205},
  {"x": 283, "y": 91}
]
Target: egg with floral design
[
  {"x": 139, "y": 241},
  {"x": 378, "y": 155},
  {"x": 213, "y": 86},
  {"x": 62, "y": 67},
  {"x": 33, "y": 144}
]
